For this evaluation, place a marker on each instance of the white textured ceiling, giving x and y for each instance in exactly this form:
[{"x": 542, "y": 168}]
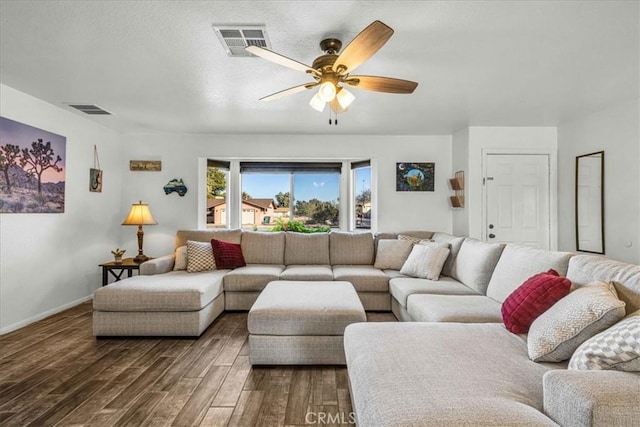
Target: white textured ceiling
[{"x": 158, "y": 66}]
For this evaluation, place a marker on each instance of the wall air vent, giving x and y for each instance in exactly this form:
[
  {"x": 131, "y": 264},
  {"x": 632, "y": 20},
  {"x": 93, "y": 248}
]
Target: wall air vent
[
  {"x": 89, "y": 109},
  {"x": 235, "y": 38}
]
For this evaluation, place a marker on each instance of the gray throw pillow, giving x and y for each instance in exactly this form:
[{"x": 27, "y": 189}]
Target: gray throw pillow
[{"x": 392, "y": 254}]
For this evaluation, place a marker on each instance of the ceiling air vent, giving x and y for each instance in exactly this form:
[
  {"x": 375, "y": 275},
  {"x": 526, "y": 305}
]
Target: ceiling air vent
[
  {"x": 89, "y": 109},
  {"x": 235, "y": 38}
]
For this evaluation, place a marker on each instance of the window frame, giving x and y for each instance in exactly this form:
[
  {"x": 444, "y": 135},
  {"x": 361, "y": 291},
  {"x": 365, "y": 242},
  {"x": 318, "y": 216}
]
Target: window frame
[{"x": 234, "y": 189}]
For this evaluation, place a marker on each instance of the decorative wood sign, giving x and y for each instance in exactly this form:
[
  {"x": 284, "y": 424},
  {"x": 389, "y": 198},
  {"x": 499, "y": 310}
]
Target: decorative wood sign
[{"x": 145, "y": 165}]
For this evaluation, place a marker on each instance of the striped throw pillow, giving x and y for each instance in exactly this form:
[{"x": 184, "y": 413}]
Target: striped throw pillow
[{"x": 426, "y": 260}]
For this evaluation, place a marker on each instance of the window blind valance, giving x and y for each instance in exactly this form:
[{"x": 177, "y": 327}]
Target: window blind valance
[{"x": 290, "y": 167}]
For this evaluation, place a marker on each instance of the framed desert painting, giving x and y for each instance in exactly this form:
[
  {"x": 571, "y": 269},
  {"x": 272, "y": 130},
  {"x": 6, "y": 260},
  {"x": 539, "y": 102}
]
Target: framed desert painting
[{"x": 32, "y": 169}]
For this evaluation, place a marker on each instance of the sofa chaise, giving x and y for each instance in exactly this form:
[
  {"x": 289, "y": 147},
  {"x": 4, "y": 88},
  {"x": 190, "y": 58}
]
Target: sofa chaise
[{"x": 455, "y": 363}]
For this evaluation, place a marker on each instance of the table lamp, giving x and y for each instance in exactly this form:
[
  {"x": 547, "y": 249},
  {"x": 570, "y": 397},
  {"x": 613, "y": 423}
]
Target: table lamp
[{"x": 140, "y": 215}]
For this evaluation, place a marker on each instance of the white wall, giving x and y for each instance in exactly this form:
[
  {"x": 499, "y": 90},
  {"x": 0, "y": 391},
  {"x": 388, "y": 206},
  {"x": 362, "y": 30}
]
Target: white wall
[
  {"x": 616, "y": 131},
  {"x": 468, "y": 148},
  {"x": 50, "y": 261},
  {"x": 180, "y": 153}
]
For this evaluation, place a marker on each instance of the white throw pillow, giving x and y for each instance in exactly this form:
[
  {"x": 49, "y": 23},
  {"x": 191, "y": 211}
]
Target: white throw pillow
[
  {"x": 616, "y": 348},
  {"x": 181, "y": 258},
  {"x": 585, "y": 312},
  {"x": 426, "y": 260},
  {"x": 392, "y": 254},
  {"x": 199, "y": 256}
]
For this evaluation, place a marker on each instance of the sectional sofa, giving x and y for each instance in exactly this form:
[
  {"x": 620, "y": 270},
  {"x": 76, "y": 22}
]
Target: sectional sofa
[
  {"x": 167, "y": 301},
  {"x": 449, "y": 362}
]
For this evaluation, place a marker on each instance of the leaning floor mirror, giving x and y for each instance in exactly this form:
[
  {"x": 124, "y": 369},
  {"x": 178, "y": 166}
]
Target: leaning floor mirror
[{"x": 590, "y": 202}]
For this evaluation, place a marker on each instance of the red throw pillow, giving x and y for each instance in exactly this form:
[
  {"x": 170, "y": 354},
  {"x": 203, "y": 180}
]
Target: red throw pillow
[
  {"x": 535, "y": 296},
  {"x": 227, "y": 255}
]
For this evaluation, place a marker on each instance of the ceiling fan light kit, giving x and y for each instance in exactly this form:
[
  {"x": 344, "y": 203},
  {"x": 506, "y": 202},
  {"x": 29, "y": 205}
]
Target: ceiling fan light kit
[{"x": 332, "y": 70}]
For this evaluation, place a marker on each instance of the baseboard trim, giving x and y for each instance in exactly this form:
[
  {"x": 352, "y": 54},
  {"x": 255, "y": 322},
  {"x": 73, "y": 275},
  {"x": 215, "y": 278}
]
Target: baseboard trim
[{"x": 33, "y": 319}]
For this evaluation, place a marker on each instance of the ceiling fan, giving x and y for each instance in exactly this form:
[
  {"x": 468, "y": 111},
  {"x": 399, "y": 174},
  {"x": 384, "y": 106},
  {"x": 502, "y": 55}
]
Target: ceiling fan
[{"x": 332, "y": 71}]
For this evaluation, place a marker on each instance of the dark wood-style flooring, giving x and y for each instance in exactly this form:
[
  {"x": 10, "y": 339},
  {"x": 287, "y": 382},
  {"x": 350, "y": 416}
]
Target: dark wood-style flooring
[{"x": 54, "y": 372}]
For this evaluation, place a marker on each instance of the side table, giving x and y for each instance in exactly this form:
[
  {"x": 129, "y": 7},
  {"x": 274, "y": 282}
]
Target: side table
[{"x": 116, "y": 269}]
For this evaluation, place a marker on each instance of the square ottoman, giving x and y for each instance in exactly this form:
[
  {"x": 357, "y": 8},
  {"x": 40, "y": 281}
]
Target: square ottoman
[{"x": 302, "y": 323}]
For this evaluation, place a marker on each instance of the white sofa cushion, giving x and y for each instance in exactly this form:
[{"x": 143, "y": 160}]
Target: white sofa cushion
[
  {"x": 263, "y": 247},
  {"x": 402, "y": 287},
  {"x": 518, "y": 263},
  {"x": 350, "y": 248},
  {"x": 584, "y": 269},
  {"x": 364, "y": 278},
  {"x": 305, "y": 308},
  {"x": 453, "y": 308},
  {"x": 231, "y": 236},
  {"x": 430, "y": 374},
  {"x": 475, "y": 263},
  {"x": 252, "y": 278},
  {"x": 585, "y": 312},
  {"x": 454, "y": 246},
  {"x": 307, "y": 272},
  {"x": 306, "y": 249},
  {"x": 173, "y": 291}
]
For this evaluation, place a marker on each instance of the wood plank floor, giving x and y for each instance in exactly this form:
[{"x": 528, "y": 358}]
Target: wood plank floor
[{"x": 54, "y": 372}]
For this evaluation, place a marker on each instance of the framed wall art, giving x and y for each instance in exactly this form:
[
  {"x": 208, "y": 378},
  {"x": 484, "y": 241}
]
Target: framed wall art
[
  {"x": 415, "y": 176},
  {"x": 32, "y": 169}
]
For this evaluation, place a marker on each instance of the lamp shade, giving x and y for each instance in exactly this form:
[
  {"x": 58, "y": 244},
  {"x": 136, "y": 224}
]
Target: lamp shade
[
  {"x": 345, "y": 98},
  {"x": 139, "y": 214},
  {"x": 316, "y": 103},
  {"x": 327, "y": 91}
]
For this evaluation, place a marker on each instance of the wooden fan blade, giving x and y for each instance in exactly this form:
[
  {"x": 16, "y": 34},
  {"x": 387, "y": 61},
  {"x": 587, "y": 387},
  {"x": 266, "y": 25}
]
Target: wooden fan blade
[
  {"x": 368, "y": 42},
  {"x": 279, "y": 59},
  {"x": 288, "y": 92},
  {"x": 381, "y": 84}
]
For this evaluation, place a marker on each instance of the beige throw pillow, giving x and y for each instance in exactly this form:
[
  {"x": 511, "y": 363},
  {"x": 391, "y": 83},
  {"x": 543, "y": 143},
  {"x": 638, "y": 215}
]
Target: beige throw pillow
[
  {"x": 199, "y": 256},
  {"x": 585, "y": 312},
  {"x": 392, "y": 254},
  {"x": 181, "y": 258},
  {"x": 426, "y": 260}
]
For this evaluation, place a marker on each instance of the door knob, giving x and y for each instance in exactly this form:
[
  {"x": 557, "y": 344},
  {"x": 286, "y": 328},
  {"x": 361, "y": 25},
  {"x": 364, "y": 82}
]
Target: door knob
[{"x": 492, "y": 236}]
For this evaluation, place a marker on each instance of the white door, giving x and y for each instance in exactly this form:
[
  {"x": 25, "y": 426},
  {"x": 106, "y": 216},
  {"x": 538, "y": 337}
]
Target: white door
[{"x": 517, "y": 199}]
